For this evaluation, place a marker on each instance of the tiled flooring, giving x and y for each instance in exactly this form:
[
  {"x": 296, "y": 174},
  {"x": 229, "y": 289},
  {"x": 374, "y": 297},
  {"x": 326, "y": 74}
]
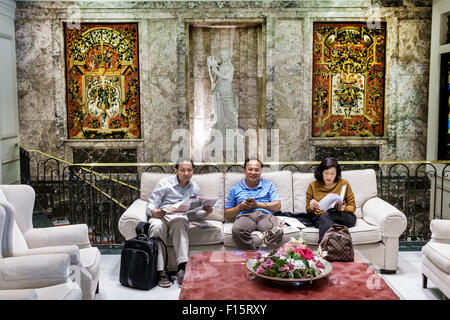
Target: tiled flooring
[{"x": 407, "y": 282}]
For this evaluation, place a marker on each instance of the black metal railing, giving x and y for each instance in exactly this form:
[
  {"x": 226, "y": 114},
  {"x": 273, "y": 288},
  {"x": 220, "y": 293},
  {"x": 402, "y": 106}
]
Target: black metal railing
[{"x": 74, "y": 193}]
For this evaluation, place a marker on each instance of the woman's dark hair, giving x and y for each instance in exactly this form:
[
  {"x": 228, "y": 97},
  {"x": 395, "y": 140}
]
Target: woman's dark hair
[
  {"x": 251, "y": 159},
  {"x": 327, "y": 163}
]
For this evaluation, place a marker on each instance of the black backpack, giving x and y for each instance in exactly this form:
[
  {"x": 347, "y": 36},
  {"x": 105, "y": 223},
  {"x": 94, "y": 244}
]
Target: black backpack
[{"x": 139, "y": 259}]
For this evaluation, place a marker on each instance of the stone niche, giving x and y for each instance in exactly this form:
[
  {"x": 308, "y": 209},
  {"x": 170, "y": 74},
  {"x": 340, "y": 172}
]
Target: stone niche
[{"x": 244, "y": 40}]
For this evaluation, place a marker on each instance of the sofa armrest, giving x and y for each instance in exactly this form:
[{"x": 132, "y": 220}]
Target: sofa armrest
[
  {"x": 36, "y": 271},
  {"x": 72, "y": 250},
  {"x": 440, "y": 230},
  {"x": 391, "y": 221},
  {"x": 19, "y": 294},
  {"x": 131, "y": 217},
  {"x": 58, "y": 236}
]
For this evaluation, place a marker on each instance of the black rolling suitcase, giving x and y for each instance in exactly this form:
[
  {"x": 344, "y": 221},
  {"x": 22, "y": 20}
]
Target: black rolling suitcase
[{"x": 139, "y": 258}]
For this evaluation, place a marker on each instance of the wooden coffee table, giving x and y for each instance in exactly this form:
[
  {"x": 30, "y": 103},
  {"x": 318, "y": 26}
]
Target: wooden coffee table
[{"x": 223, "y": 275}]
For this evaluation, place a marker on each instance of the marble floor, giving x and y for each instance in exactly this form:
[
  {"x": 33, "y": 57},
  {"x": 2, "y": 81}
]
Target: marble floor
[{"x": 407, "y": 282}]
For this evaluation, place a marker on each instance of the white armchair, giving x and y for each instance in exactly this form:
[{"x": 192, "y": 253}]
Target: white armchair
[
  {"x": 73, "y": 240},
  {"x": 436, "y": 256},
  {"x": 44, "y": 277}
]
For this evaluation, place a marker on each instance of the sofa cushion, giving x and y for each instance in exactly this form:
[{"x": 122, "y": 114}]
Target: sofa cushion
[
  {"x": 228, "y": 241},
  {"x": 363, "y": 183},
  {"x": 364, "y": 186},
  {"x": 211, "y": 186},
  {"x": 439, "y": 254},
  {"x": 282, "y": 181},
  {"x": 300, "y": 183},
  {"x": 149, "y": 181},
  {"x": 19, "y": 244},
  {"x": 203, "y": 236},
  {"x": 362, "y": 233}
]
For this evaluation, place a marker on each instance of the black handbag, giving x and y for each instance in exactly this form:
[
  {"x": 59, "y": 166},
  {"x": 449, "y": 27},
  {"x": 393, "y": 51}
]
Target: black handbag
[{"x": 138, "y": 261}]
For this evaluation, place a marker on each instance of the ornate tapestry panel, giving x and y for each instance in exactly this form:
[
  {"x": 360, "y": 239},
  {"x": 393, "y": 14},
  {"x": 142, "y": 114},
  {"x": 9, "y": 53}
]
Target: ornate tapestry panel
[
  {"x": 348, "y": 79},
  {"x": 102, "y": 78}
]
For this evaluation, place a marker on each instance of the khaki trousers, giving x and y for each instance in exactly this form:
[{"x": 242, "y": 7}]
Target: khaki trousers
[
  {"x": 177, "y": 228},
  {"x": 246, "y": 223}
]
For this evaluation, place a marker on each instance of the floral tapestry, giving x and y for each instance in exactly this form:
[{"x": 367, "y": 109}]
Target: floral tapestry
[
  {"x": 102, "y": 79},
  {"x": 348, "y": 79}
]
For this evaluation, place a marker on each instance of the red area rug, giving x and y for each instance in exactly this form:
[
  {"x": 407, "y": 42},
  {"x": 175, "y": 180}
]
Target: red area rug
[{"x": 223, "y": 275}]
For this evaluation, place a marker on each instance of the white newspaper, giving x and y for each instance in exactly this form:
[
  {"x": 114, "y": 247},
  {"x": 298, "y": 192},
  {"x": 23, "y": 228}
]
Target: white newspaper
[
  {"x": 189, "y": 206},
  {"x": 331, "y": 199}
]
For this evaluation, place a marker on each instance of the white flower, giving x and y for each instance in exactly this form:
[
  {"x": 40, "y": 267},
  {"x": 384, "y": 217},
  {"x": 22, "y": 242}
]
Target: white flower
[
  {"x": 299, "y": 264},
  {"x": 312, "y": 265},
  {"x": 320, "y": 253}
]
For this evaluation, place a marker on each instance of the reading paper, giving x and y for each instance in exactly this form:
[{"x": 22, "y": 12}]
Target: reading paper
[
  {"x": 190, "y": 205},
  {"x": 331, "y": 199}
]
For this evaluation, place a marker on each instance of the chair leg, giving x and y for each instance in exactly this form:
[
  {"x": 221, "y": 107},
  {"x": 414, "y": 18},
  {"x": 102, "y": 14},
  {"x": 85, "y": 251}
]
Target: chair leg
[
  {"x": 384, "y": 271},
  {"x": 97, "y": 290},
  {"x": 424, "y": 281}
]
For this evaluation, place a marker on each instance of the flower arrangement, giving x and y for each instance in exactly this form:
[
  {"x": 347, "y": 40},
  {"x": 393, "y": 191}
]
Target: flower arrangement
[{"x": 293, "y": 260}]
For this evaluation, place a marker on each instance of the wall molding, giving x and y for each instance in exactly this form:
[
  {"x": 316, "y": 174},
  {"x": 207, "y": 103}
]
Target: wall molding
[
  {"x": 9, "y": 136},
  {"x": 8, "y": 8},
  {"x": 10, "y": 160}
]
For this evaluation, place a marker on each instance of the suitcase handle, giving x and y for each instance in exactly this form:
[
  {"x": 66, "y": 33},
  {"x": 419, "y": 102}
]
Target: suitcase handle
[{"x": 142, "y": 228}]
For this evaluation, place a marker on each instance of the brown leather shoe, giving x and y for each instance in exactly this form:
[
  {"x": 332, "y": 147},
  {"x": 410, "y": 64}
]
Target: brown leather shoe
[
  {"x": 180, "y": 277},
  {"x": 164, "y": 280}
]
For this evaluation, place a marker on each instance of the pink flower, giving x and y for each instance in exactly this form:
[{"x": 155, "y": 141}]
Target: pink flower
[
  {"x": 283, "y": 268},
  {"x": 306, "y": 254},
  {"x": 259, "y": 270},
  {"x": 319, "y": 264},
  {"x": 279, "y": 253},
  {"x": 267, "y": 264}
]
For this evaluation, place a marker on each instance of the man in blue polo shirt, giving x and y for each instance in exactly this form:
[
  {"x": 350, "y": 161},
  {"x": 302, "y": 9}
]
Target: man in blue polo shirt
[{"x": 251, "y": 203}]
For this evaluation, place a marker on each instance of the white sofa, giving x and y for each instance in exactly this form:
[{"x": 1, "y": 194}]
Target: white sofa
[
  {"x": 436, "y": 256},
  {"x": 376, "y": 233}
]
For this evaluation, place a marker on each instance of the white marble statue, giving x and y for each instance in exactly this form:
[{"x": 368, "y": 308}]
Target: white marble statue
[{"x": 225, "y": 102}]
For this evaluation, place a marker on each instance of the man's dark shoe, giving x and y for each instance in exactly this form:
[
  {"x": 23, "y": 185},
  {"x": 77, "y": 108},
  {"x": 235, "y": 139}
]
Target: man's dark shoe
[
  {"x": 180, "y": 277},
  {"x": 164, "y": 280}
]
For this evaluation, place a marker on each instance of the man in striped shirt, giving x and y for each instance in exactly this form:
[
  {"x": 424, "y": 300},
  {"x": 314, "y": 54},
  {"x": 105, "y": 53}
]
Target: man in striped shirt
[{"x": 251, "y": 203}]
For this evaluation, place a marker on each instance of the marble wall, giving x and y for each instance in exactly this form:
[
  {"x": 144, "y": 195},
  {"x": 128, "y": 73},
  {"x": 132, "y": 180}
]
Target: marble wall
[{"x": 287, "y": 71}]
